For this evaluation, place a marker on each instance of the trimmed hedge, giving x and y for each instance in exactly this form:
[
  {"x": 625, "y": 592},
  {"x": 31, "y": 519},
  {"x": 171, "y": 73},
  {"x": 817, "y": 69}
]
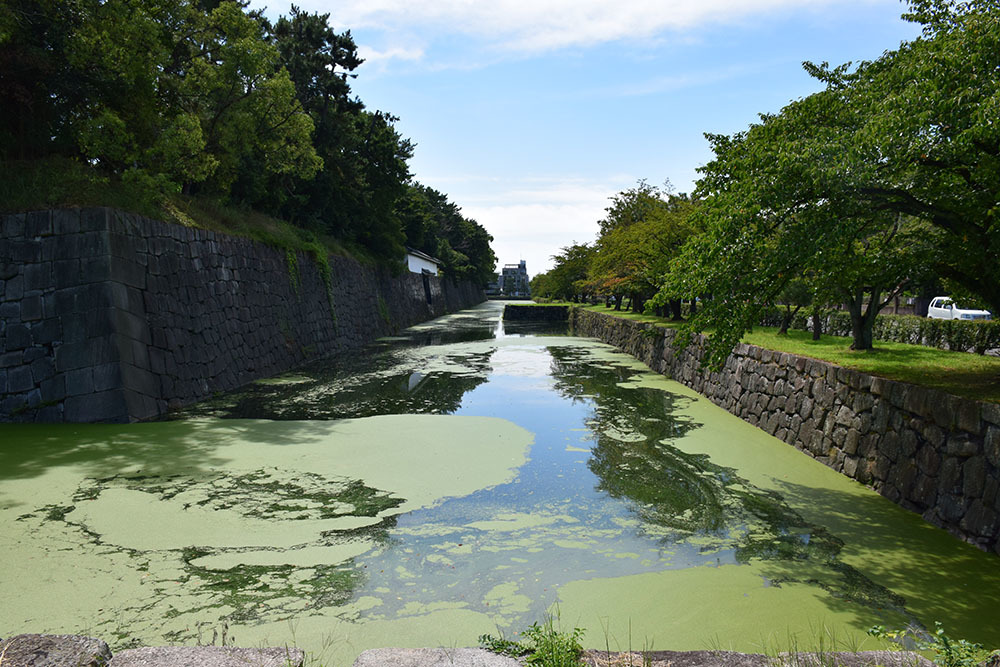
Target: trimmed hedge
[{"x": 964, "y": 335}]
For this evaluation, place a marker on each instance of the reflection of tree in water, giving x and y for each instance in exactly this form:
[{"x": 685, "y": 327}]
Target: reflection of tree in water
[
  {"x": 663, "y": 485},
  {"x": 691, "y": 496},
  {"x": 351, "y": 385}
]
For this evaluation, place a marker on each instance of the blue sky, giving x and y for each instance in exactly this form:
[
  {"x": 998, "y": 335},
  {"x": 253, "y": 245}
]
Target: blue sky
[{"x": 531, "y": 114}]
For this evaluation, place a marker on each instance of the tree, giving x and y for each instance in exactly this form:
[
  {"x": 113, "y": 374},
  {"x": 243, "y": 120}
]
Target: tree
[
  {"x": 435, "y": 225},
  {"x": 644, "y": 229},
  {"x": 167, "y": 92},
  {"x": 796, "y": 294},
  {"x": 928, "y": 144},
  {"x": 568, "y": 278},
  {"x": 838, "y": 181}
]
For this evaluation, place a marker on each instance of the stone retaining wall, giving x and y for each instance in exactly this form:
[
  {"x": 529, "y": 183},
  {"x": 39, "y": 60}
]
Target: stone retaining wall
[
  {"x": 108, "y": 316},
  {"x": 930, "y": 452},
  {"x": 517, "y": 312}
]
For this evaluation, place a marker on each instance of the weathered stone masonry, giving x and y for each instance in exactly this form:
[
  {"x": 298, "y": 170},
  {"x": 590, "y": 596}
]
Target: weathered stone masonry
[
  {"x": 108, "y": 316},
  {"x": 930, "y": 452}
]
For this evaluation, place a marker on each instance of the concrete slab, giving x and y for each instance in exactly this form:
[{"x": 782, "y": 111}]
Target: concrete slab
[
  {"x": 433, "y": 657},
  {"x": 207, "y": 656},
  {"x": 53, "y": 651}
]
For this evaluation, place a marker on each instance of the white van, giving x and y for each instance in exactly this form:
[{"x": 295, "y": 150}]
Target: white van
[{"x": 943, "y": 308}]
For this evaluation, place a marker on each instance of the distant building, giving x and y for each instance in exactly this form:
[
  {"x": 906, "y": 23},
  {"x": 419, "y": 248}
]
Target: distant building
[
  {"x": 514, "y": 280},
  {"x": 420, "y": 262}
]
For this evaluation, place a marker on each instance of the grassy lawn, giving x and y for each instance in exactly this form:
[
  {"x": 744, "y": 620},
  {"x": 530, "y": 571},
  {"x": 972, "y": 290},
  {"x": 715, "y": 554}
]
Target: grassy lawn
[{"x": 959, "y": 373}]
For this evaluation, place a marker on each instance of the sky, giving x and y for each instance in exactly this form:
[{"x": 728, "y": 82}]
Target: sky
[{"x": 531, "y": 114}]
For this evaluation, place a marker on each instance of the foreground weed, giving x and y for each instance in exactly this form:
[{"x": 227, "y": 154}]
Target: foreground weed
[
  {"x": 544, "y": 645},
  {"x": 948, "y": 652}
]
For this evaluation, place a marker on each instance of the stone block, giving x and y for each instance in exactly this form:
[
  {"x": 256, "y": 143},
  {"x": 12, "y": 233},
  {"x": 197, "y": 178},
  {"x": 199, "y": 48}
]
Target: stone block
[
  {"x": 889, "y": 445},
  {"x": 880, "y": 416},
  {"x": 13, "y": 288},
  {"x": 94, "y": 244},
  {"x": 10, "y": 359},
  {"x": 92, "y": 297},
  {"x": 961, "y": 446},
  {"x": 851, "y": 443},
  {"x": 915, "y": 400},
  {"x": 19, "y": 379},
  {"x": 38, "y": 224},
  {"x": 950, "y": 476},
  {"x": 42, "y": 368},
  {"x": 863, "y": 401},
  {"x": 928, "y": 460},
  {"x": 933, "y": 434},
  {"x": 104, "y": 406},
  {"x": 974, "y": 477},
  {"x": 18, "y": 337},
  {"x": 53, "y": 390},
  {"x": 844, "y": 416},
  {"x": 66, "y": 273},
  {"x": 80, "y": 381},
  {"x": 950, "y": 507},
  {"x": 10, "y": 311},
  {"x": 908, "y": 443},
  {"x": 74, "y": 355},
  {"x": 980, "y": 520},
  {"x": 107, "y": 376},
  {"x": 991, "y": 487},
  {"x": 31, "y": 308},
  {"x": 943, "y": 412},
  {"x": 95, "y": 269},
  {"x": 12, "y": 226},
  {"x": 991, "y": 413},
  {"x": 66, "y": 222},
  {"x": 132, "y": 326},
  {"x": 37, "y": 276},
  {"x": 94, "y": 219},
  {"x": 54, "y": 651},
  {"x": 850, "y": 467},
  {"x": 991, "y": 445},
  {"x": 924, "y": 491},
  {"x": 968, "y": 416},
  {"x": 139, "y": 380}
]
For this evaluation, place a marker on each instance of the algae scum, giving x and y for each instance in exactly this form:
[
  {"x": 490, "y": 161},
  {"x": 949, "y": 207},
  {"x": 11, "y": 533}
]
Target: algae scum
[{"x": 453, "y": 481}]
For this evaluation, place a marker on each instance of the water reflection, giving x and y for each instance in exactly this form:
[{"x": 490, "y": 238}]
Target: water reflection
[{"x": 605, "y": 490}]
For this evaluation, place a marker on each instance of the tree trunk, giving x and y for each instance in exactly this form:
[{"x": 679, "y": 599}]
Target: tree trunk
[
  {"x": 694, "y": 306},
  {"x": 637, "y": 302},
  {"x": 817, "y": 324},
  {"x": 786, "y": 319},
  {"x": 675, "y": 309},
  {"x": 862, "y": 319},
  {"x": 618, "y": 302}
]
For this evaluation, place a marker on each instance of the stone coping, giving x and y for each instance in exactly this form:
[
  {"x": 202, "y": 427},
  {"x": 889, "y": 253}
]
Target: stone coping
[{"x": 34, "y": 650}]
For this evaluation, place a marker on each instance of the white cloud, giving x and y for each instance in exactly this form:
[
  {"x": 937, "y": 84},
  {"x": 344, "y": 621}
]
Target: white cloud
[
  {"x": 376, "y": 57},
  {"x": 533, "y": 218},
  {"x": 545, "y": 25}
]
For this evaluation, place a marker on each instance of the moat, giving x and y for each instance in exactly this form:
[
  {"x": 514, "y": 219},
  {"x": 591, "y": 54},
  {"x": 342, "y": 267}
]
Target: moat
[{"x": 461, "y": 478}]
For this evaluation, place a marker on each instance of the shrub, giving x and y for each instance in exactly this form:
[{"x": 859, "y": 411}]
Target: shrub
[{"x": 962, "y": 335}]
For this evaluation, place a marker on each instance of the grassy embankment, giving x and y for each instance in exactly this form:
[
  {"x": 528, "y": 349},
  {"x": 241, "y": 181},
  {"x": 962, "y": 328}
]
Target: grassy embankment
[
  {"x": 63, "y": 183},
  {"x": 959, "y": 373}
]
